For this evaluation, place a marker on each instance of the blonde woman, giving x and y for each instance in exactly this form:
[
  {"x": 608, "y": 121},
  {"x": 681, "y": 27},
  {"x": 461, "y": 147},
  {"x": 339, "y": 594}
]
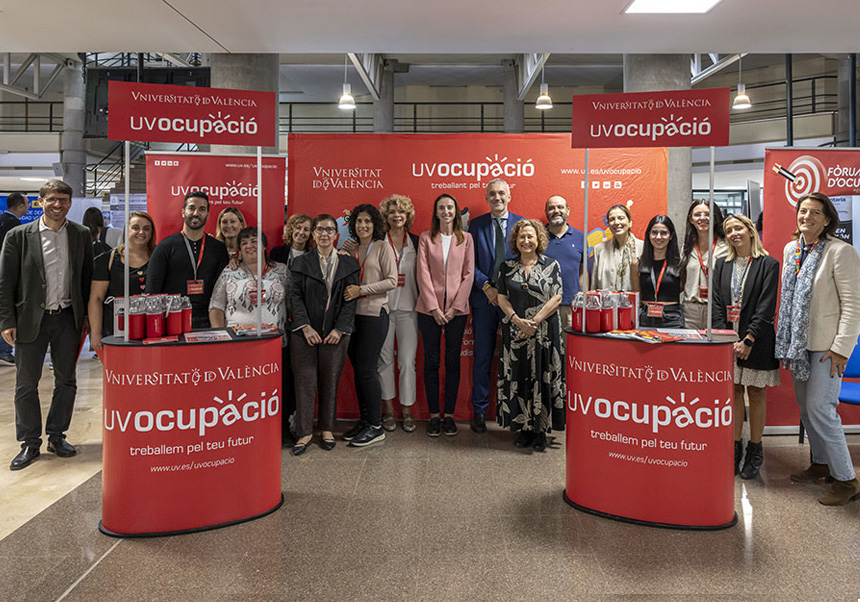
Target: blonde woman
[
  {"x": 230, "y": 223},
  {"x": 745, "y": 283},
  {"x": 398, "y": 214}
]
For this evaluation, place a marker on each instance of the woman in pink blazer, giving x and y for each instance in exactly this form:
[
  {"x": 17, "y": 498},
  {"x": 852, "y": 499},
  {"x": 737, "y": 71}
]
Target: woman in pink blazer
[{"x": 446, "y": 267}]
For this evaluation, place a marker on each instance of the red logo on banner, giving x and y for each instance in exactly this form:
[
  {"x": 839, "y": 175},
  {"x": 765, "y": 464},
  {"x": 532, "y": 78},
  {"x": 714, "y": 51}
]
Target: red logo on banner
[
  {"x": 669, "y": 118},
  {"x": 160, "y": 113},
  {"x": 229, "y": 180}
]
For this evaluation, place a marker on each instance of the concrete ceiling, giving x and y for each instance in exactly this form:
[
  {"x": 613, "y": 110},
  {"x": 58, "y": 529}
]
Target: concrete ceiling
[{"x": 410, "y": 26}]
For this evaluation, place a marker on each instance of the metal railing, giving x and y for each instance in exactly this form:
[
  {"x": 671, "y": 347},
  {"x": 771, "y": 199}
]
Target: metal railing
[
  {"x": 31, "y": 116},
  {"x": 109, "y": 170}
]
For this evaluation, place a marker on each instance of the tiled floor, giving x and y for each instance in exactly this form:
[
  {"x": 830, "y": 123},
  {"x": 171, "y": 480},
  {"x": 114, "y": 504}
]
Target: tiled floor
[{"x": 415, "y": 518}]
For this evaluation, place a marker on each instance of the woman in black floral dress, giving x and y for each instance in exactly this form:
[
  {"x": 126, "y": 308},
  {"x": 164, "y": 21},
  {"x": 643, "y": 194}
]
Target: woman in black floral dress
[{"x": 531, "y": 370}]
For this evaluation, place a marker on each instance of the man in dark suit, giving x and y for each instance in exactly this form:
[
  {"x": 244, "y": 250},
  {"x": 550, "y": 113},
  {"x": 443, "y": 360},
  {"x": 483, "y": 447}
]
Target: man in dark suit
[
  {"x": 16, "y": 207},
  {"x": 46, "y": 269},
  {"x": 490, "y": 233}
]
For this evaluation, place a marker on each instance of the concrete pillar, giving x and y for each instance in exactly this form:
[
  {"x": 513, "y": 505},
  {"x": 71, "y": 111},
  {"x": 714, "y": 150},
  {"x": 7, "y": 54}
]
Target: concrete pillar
[
  {"x": 383, "y": 109},
  {"x": 73, "y": 158},
  {"x": 842, "y": 115},
  {"x": 514, "y": 117},
  {"x": 650, "y": 73},
  {"x": 245, "y": 72}
]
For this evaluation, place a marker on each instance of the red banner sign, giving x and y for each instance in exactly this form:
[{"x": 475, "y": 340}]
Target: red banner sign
[
  {"x": 333, "y": 172},
  {"x": 160, "y": 113},
  {"x": 642, "y": 119},
  {"x": 229, "y": 180}
]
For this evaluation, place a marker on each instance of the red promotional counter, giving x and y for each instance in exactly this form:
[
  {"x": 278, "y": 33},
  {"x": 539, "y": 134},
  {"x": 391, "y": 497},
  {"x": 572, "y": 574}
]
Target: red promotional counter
[
  {"x": 192, "y": 435},
  {"x": 650, "y": 431}
]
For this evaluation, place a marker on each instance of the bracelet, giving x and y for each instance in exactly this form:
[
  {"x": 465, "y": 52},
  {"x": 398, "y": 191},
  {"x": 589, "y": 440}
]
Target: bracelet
[{"x": 486, "y": 286}]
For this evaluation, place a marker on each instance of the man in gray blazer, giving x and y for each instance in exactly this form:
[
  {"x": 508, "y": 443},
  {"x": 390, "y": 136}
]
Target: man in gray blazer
[{"x": 46, "y": 269}]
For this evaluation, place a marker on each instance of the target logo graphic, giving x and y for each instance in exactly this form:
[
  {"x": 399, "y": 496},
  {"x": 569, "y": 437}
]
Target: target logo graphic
[{"x": 809, "y": 173}]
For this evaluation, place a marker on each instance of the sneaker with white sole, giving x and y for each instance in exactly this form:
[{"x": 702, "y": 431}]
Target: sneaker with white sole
[{"x": 371, "y": 434}]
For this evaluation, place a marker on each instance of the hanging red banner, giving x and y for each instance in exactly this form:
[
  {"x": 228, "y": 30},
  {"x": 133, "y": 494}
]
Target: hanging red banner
[
  {"x": 643, "y": 119},
  {"x": 161, "y": 113},
  {"x": 228, "y": 180}
]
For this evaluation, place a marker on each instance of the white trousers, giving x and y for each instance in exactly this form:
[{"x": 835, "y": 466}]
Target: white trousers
[{"x": 403, "y": 325}]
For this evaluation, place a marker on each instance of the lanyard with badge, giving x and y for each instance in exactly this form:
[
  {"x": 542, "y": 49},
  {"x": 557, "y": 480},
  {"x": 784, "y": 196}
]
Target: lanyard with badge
[
  {"x": 361, "y": 273},
  {"x": 401, "y": 278},
  {"x": 252, "y": 284},
  {"x": 195, "y": 287},
  {"x": 655, "y": 308},
  {"x": 703, "y": 289},
  {"x": 738, "y": 281}
]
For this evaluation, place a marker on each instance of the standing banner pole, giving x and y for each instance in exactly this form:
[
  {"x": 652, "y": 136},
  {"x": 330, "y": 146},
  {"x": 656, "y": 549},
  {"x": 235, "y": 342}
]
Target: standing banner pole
[
  {"x": 126, "y": 302},
  {"x": 712, "y": 253},
  {"x": 261, "y": 248},
  {"x": 585, "y": 242}
]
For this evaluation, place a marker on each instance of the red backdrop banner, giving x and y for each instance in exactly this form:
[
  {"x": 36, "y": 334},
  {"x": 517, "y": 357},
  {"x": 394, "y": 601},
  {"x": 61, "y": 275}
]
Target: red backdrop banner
[
  {"x": 229, "y": 180},
  {"x": 332, "y": 172},
  {"x": 641, "y": 119},
  {"x": 836, "y": 173},
  {"x": 162, "y": 113}
]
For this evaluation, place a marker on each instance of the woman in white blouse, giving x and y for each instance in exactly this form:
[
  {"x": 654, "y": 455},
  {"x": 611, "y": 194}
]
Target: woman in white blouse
[
  {"x": 398, "y": 214},
  {"x": 614, "y": 257}
]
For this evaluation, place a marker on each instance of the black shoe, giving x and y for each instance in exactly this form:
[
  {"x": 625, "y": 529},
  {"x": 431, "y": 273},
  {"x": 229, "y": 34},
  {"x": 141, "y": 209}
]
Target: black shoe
[
  {"x": 25, "y": 457},
  {"x": 61, "y": 447},
  {"x": 478, "y": 424},
  {"x": 523, "y": 439},
  {"x": 7, "y": 357},
  {"x": 449, "y": 427},
  {"x": 300, "y": 448},
  {"x": 753, "y": 461},
  {"x": 739, "y": 454},
  {"x": 328, "y": 444},
  {"x": 434, "y": 427},
  {"x": 370, "y": 434},
  {"x": 355, "y": 430},
  {"x": 539, "y": 442}
]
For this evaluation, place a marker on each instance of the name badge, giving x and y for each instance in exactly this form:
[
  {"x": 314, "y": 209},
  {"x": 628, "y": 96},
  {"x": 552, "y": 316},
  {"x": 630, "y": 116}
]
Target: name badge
[
  {"x": 655, "y": 310},
  {"x": 734, "y": 312},
  {"x": 401, "y": 280},
  {"x": 195, "y": 287},
  {"x": 703, "y": 292}
]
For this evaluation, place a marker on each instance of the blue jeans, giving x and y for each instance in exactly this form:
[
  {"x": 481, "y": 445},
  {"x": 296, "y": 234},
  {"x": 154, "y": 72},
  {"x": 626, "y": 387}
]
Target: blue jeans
[
  {"x": 5, "y": 348},
  {"x": 817, "y": 399}
]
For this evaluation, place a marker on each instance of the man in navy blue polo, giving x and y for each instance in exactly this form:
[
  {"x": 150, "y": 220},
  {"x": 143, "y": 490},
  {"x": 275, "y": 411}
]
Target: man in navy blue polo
[{"x": 565, "y": 246}]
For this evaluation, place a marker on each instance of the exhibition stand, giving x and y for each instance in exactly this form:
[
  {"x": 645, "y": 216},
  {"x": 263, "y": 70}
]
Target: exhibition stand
[
  {"x": 650, "y": 431},
  {"x": 192, "y": 434}
]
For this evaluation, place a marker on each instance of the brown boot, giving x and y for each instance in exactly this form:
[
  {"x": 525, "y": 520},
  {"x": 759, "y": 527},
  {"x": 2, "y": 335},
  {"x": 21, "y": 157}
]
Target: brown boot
[
  {"x": 839, "y": 493},
  {"x": 811, "y": 474}
]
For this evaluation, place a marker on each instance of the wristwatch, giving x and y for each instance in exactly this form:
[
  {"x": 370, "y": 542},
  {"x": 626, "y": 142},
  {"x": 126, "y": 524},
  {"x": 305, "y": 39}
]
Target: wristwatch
[{"x": 747, "y": 342}]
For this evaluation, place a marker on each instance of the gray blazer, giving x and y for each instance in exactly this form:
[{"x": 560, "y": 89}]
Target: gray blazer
[{"x": 22, "y": 278}]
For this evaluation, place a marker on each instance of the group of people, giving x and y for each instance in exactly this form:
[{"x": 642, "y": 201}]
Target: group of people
[{"x": 384, "y": 287}]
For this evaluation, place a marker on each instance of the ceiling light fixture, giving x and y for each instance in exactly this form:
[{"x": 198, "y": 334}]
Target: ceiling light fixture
[
  {"x": 742, "y": 100},
  {"x": 544, "y": 102},
  {"x": 346, "y": 102},
  {"x": 670, "y": 6}
]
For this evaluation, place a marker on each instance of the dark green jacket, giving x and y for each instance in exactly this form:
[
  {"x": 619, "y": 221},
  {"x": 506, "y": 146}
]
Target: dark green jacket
[{"x": 22, "y": 278}]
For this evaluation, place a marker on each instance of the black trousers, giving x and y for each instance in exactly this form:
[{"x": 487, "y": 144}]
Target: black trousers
[
  {"x": 288, "y": 391},
  {"x": 431, "y": 340},
  {"x": 58, "y": 331},
  {"x": 365, "y": 345}
]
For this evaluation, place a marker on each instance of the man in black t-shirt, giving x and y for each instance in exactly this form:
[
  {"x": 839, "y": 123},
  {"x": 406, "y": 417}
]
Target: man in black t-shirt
[{"x": 190, "y": 261}]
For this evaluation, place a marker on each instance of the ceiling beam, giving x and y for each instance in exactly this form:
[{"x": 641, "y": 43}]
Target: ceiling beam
[
  {"x": 369, "y": 67},
  {"x": 173, "y": 59},
  {"x": 528, "y": 67},
  {"x": 724, "y": 62}
]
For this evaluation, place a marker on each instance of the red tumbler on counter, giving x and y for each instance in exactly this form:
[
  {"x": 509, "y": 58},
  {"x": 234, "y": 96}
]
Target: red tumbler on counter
[
  {"x": 174, "y": 315},
  {"x": 154, "y": 317},
  {"x": 137, "y": 318},
  {"x": 186, "y": 315}
]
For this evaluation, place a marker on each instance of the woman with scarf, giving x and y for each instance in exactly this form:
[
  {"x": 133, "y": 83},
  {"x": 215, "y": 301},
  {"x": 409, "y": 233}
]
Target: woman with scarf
[
  {"x": 614, "y": 257},
  {"x": 819, "y": 321}
]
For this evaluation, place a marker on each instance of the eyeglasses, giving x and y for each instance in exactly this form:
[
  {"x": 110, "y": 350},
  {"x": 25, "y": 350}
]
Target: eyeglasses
[
  {"x": 51, "y": 200},
  {"x": 323, "y": 230},
  {"x": 657, "y": 234}
]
